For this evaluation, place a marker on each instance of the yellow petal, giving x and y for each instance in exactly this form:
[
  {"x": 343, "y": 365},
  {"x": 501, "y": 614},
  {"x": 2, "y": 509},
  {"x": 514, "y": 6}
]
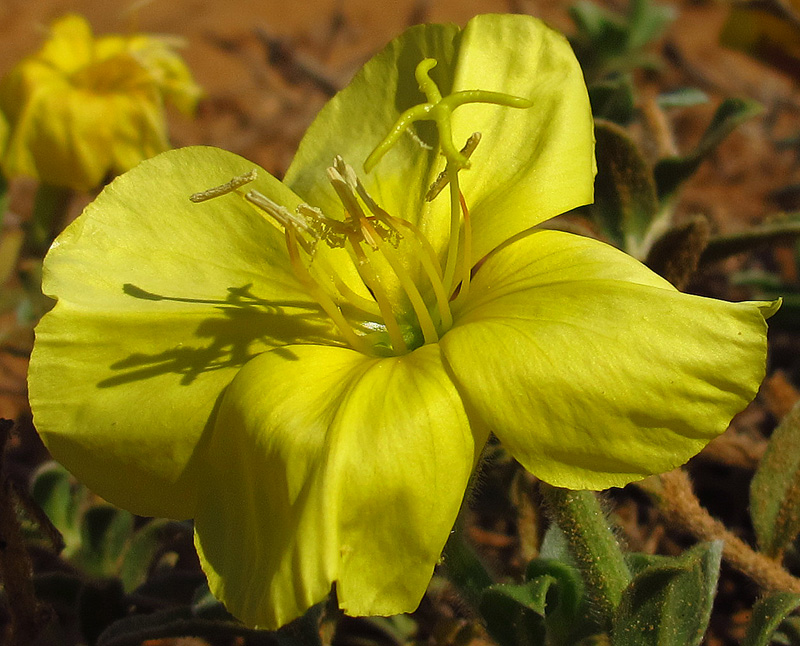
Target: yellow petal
[
  {"x": 594, "y": 371},
  {"x": 160, "y": 302},
  {"x": 324, "y": 466}
]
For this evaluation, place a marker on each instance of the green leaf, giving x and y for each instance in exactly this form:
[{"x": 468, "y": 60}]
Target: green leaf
[
  {"x": 669, "y": 601},
  {"x": 646, "y": 22},
  {"x": 105, "y": 533},
  {"x": 671, "y": 172},
  {"x": 723, "y": 246},
  {"x": 144, "y": 545},
  {"x": 462, "y": 565},
  {"x": 515, "y": 614},
  {"x": 768, "y": 614},
  {"x": 625, "y": 194},
  {"x": 613, "y": 99},
  {"x": 549, "y": 608},
  {"x": 594, "y": 22},
  {"x": 775, "y": 488},
  {"x": 62, "y": 499}
]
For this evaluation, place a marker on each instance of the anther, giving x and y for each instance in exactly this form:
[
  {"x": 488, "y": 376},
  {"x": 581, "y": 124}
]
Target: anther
[
  {"x": 443, "y": 180},
  {"x": 224, "y": 189}
]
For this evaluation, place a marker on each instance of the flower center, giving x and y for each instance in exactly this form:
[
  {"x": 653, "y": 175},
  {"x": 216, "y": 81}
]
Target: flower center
[{"x": 394, "y": 295}]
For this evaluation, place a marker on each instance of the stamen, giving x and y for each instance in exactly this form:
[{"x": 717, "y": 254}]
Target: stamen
[
  {"x": 466, "y": 263},
  {"x": 430, "y": 263},
  {"x": 348, "y": 199},
  {"x": 367, "y": 273},
  {"x": 434, "y": 273},
  {"x": 285, "y": 218},
  {"x": 318, "y": 294},
  {"x": 356, "y": 300},
  {"x": 224, "y": 189},
  {"x": 455, "y": 222},
  {"x": 420, "y": 309},
  {"x": 442, "y": 180}
]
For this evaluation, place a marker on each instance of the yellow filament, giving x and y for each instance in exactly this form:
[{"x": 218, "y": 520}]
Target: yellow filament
[
  {"x": 434, "y": 273},
  {"x": 455, "y": 221},
  {"x": 442, "y": 180},
  {"x": 359, "y": 302},
  {"x": 317, "y": 293},
  {"x": 367, "y": 273},
  {"x": 466, "y": 263},
  {"x": 423, "y": 316},
  {"x": 430, "y": 263}
]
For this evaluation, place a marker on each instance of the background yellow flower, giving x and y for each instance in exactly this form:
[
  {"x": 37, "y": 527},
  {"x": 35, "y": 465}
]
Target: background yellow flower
[{"x": 82, "y": 109}]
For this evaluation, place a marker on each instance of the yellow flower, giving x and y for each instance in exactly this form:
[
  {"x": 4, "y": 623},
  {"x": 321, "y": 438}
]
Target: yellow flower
[
  {"x": 83, "y": 109},
  {"x": 310, "y": 368}
]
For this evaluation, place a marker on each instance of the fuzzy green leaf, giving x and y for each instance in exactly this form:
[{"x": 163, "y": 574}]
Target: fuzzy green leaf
[
  {"x": 625, "y": 194},
  {"x": 768, "y": 613},
  {"x": 62, "y": 500},
  {"x": 775, "y": 488},
  {"x": 669, "y": 601},
  {"x": 144, "y": 546},
  {"x": 105, "y": 533},
  {"x": 671, "y": 172},
  {"x": 613, "y": 99},
  {"x": 683, "y": 97},
  {"x": 515, "y": 614}
]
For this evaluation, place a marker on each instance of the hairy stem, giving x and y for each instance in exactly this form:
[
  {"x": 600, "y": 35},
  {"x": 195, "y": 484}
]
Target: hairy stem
[
  {"x": 592, "y": 544},
  {"x": 681, "y": 507}
]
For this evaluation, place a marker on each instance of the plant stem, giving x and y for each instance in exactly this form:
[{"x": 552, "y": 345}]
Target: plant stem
[
  {"x": 592, "y": 544},
  {"x": 680, "y": 505}
]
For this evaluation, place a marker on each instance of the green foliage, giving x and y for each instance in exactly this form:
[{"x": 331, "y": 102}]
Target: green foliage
[
  {"x": 610, "y": 46},
  {"x": 609, "y": 43},
  {"x": 669, "y": 601},
  {"x": 775, "y": 488},
  {"x": 99, "y": 539},
  {"x": 613, "y": 99},
  {"x": 769, "y": 614},
  {"x": 671, "y": 172},
  {"x": 685, "y": 97},
  {"x": 625, "y": 193},
  {"x": 546, "y": 609},
  {"x": 634, "y": 202}
]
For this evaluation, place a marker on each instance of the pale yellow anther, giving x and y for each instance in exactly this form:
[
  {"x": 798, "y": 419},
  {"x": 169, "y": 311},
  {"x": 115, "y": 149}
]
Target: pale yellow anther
[
  {"x": 224, "y": 189},
  {"x": 439, "y": 184}
]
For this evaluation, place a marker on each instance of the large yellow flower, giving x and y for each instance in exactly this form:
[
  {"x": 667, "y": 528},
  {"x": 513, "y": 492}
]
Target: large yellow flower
[
  {"x": 309, "y": 369},
  {"x": 82, "y": 109}
]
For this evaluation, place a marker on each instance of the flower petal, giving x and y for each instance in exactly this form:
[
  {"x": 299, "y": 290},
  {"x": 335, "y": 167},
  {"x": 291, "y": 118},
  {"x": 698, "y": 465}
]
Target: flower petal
[
  {"x": 353, "y": 122},
  {"x": 160, "y": 302},
  {"x": 326, "y": 465},
  {"x": 531, "y": 164},
  {"x": 594, "y": 371}
]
